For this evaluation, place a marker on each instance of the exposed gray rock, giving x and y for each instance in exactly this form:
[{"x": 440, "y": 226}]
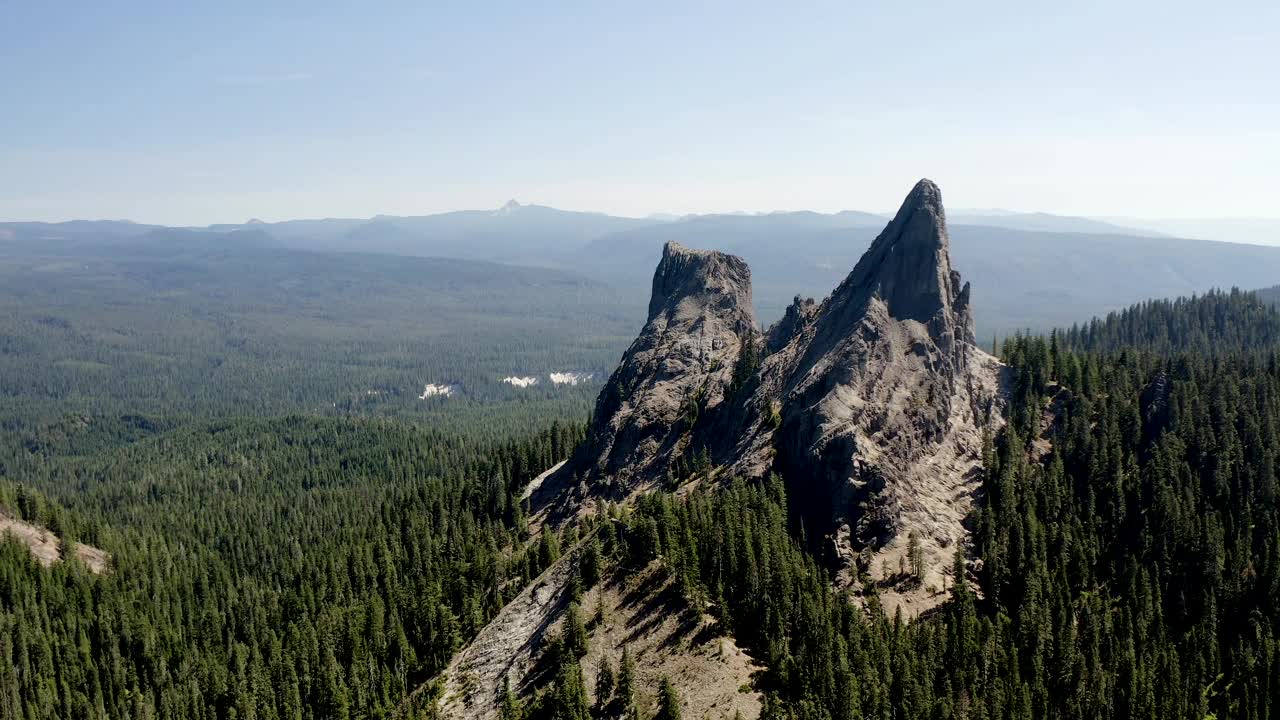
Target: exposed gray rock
[
  {"x": 880, "y": 357},
  {"x": 799, "y": 313},
  {"x": 873, "y": 411},
  {"x": 872, "y": 404},
  {"x": 676, "y": 373}
]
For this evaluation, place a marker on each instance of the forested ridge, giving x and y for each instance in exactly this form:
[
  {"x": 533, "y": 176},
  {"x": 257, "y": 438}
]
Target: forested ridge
[
  {"x": 1125, "y": 561},
  {"x": 1270, "y": 295},
  {"x": 1130, "y": 568},
  {"x": 268, "y": 564},
  {"x": 1216, "y": 322}
]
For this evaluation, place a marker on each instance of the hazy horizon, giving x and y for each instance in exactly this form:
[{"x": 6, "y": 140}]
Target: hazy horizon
[{"x": 964, "y": 212}]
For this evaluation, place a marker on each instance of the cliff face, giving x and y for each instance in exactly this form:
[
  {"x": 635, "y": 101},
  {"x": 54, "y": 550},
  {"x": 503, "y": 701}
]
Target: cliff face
[
  {"x": 874, "y": 410},
  {"x": 871, "y": 404},
  {"x": 676, "y": 374},
  {"x": 876, "y": 364}
]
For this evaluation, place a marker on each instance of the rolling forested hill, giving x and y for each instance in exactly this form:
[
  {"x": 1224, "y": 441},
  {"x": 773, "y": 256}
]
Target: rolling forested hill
[
  {"x": 1022, "y": 279},
  {"x": 1029, "y": 270},
  {"x": 209, "y": 330}
]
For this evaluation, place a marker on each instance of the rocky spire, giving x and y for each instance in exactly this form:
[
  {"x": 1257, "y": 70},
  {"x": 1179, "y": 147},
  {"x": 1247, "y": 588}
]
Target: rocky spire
[
  {"x": 871, "y": 404},
  {"x": 908, "y": 267},
  {"x": 717, "y": 281},
  {"x": 676, "y": 373}
]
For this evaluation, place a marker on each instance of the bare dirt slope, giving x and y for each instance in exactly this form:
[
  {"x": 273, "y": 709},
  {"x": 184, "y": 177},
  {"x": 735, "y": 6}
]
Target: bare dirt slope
[
  {"x": 507, "y": 647},
  {"x": 933, "y": 498},
  {"x": 47, "y": 548},
  {"x": 665, "y": 636},
  {"x": 644, "y": 613}
]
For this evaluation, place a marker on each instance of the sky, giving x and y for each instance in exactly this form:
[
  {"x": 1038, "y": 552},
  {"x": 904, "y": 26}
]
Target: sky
[{"x": 194, "y": 113}]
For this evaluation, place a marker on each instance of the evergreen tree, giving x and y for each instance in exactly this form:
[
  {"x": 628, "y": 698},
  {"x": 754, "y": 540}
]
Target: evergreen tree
[
  {"x": 668, "y": 701},
  {"x": 511, "y": 708},
  {"x": 604, "y": 683},
  {"x": 626, "y": 688}
]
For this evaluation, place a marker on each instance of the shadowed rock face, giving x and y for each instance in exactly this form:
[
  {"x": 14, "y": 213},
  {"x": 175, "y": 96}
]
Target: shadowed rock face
[
  {"x": 676, "y": 373},
  {"x": 877, "y": 380},
  {"x": 908, "y": 266},
  {"x": 871, "y": 404},
  {"x": 798, "y": 314},
  {"x": 908, "y": 269}
]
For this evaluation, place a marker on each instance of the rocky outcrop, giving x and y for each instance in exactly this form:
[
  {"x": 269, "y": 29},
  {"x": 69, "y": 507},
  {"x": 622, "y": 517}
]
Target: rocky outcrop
[
  {"x": 868, "y": 383},
  {"x": 506, "y": 648},
  {"x": 874, "y": 410},
  {"x": 871, "y": 404},
  {"x": 793, "y": 322},
  {"x": 47, "y": 548},
  {"x": 676, "y": 374}
]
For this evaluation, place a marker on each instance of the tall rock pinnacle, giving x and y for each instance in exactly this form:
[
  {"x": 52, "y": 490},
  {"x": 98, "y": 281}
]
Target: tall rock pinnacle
[
  {"x": 908, "y": 268},
  {"x": 908, "y": 265},
  {"x": 873, "y": 411},
  {"x": 675, "y": 375},
  {"x": 702, "y": 280}
]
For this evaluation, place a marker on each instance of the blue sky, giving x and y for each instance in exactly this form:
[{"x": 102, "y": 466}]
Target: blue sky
[{"x": 189, "y": 113}]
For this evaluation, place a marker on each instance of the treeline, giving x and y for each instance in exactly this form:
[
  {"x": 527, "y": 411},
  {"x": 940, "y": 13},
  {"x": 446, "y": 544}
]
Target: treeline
[
  {"x": 1270, "y": 296},
  {"x": 1216, "y": 322},
  {"x": 264, "y": 569}
]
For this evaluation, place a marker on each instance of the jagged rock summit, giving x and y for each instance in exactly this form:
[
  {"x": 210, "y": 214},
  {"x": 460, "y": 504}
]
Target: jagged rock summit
[
  {"x": 908, "y": 266},
  {"x": 871, "y": 404},
  {"x": 874, "y": 408},
  {"x": 676, "y": 372}
]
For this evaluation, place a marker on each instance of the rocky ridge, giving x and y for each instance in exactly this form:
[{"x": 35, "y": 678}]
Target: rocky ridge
[{"x": 871, "y": 404}]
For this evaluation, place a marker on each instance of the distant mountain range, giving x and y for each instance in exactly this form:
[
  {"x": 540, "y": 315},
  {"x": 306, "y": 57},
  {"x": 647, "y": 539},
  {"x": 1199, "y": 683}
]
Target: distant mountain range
[
  {"x": 1258, "y": 231},
  {"x": 1044, "y": 222},
  {"x": 1034, "y": 270}
]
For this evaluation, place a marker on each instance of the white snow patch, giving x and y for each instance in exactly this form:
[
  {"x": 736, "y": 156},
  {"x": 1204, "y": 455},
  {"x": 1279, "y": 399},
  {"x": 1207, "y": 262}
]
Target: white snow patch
[
  {"x": 571, "y": 378},
  {"x": 431, "y": 390},
  {"x": 522, "y": 382}
]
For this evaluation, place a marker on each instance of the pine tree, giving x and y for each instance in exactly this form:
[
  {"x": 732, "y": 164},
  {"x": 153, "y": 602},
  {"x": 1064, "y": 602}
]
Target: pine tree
[
  {"x": 574, "y": 641},
  {"x": 668, "y": 701},
  {"x": 589, "y": 565},
  {"x": 626, "y": 690},
  {"x": 604, "y": 682},
  {"x": 511, "y": 708},
  {"x": 916, "y": 553},
  {"x": 569, "y": 695}
]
